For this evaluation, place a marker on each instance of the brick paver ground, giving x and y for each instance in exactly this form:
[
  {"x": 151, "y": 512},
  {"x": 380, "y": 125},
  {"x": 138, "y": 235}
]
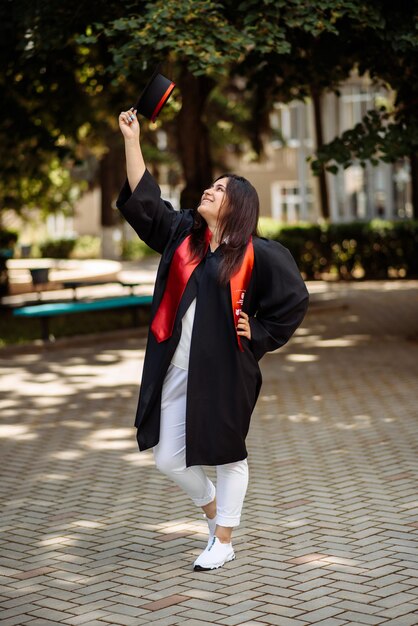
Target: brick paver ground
[{"x": 93, "y": 535}]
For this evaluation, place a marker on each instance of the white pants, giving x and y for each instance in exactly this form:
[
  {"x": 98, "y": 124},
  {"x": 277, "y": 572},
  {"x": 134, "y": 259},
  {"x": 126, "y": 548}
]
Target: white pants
[{"x": 170, "y": 457}]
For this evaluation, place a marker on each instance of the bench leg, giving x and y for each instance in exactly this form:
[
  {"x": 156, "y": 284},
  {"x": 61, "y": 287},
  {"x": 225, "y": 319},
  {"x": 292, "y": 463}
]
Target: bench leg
[{"x": 45, "y": 328}]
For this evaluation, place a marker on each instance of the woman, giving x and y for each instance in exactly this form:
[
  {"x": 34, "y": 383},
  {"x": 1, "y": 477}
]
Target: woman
[{"x": 223, "y": 297}]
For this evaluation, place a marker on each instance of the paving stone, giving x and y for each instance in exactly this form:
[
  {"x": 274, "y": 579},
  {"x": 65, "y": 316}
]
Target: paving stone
[
  {"x": 254, "y": 623},
  {"x": 317, "y": 593},
  {"x": 407, "y": 620},
  {"x": 313, "y": 617},
  {"x": 7, "y": 603},
  {"x": 356, "y": 588},
  {"x": 204, "y": 605},
  {"x": 278, "y": 609},
  {"x": 124, "y": 609},
  {"x": 122, "y": 620},
  {"x": 361, "y": 607},
  {"x": 400, "y": 610},
  {"x": 331, "y": 621},
  {"x": 238, "y": 598},
  {"x": 16, "y": 620},
  {"x": 170, "y": 611},
  {"x": 279, "y": 599},
  {"x": 384, "y": 592},
  {"x": 361, "y": 618},
  {"x": 317, "y": 603},
  {"x": 87, "y": 600},
  {"x": 193, "y": 622},
  {"x": 164, "y": 602},
  {"x": 195, "y": 614},
  {"x": 18, "y": 610},
  {"x": 279, "y": 620},
  {"x": 43, "y": 622},
  {"x": 171, "y": 620},
  {"x": 49, "y": 614},
  {"x": 80, "y": 609},
  {"x": 237, "y": 620},
  {"x": 85, "y": 618},
  {"x": 395, "y": 600},
  {"x": 54, "y": 603}
]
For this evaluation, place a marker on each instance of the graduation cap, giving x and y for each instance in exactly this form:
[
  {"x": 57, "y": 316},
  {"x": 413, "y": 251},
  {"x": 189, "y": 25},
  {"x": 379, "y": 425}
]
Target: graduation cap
[{"x": 154, "y": 96}]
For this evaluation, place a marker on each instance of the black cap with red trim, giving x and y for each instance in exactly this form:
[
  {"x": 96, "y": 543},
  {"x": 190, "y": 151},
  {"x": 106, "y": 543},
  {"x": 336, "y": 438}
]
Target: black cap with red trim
[{"x": 154, "y": 96}]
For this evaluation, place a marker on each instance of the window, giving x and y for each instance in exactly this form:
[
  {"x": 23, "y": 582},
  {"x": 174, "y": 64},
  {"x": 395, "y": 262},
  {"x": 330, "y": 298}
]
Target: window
[
  {"x": 291, "y": 124},
  {"x": 288, "y": 204},
  {"x": 59, "y": 225},
  {"x": 355, "y": 102}
]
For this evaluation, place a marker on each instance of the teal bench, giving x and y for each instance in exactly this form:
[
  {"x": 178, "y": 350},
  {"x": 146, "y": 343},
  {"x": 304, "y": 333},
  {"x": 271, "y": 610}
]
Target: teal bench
[{"x": 45, "y": 311}]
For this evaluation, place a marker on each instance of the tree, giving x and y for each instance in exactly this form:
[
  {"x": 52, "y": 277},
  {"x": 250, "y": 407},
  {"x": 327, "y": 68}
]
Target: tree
[
  {"x": 58, "y": 105},
  {"x": 33, "y": 91},
  {"x": 198, "y": 44},
  {"x": 204, "y": 40}
]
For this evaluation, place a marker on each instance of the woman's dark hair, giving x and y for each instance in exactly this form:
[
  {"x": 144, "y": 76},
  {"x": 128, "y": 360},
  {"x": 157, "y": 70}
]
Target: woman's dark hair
[{"x": 237, "y": 221}]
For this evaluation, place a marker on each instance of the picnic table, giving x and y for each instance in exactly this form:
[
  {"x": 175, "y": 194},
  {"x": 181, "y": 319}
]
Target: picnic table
[
  {"x": 44, "y": 311},
  {"x": 76, "y": 284}
]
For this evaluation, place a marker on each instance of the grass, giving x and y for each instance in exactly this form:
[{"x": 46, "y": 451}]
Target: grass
[{"x": 14, "y": 330}]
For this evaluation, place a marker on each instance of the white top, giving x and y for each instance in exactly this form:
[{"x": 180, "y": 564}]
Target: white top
[{"x": 182, "y": 353}]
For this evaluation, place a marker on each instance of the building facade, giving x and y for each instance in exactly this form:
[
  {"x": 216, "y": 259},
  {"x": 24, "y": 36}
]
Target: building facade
[{"x": 288, "y": 190}]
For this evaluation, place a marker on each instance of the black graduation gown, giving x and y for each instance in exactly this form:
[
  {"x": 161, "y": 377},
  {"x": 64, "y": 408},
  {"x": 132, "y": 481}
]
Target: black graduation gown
[{"x": 223, "y": 382}]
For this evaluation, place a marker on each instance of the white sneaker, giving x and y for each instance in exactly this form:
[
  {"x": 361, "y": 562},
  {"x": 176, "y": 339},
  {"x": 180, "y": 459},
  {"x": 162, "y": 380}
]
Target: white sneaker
[
  {"x": 212, "y": 527},
  {"x": 215, "y": 555}
]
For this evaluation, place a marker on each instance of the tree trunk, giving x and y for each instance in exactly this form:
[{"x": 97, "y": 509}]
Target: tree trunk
[
  {"x": 193, "y": 137},
  {"x": 413, "y": 159},
  {"x": 107, "y": 187},
  {"x": 322, "y": 180},
  {"x": 110, "y": 182}
]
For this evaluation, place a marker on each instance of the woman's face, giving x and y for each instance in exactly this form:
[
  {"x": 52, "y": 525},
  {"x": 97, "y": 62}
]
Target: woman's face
[{"x": 211, "y": 201}]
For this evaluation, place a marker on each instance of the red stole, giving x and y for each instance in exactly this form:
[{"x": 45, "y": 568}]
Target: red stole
[
  {"x": 239, "y": 283},
  {"x": 181, "y": 269}
]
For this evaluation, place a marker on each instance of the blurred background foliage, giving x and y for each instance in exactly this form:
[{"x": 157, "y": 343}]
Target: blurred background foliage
[
  {"x": 69, "y": 67},
  {"x": 376, "y": 249}
]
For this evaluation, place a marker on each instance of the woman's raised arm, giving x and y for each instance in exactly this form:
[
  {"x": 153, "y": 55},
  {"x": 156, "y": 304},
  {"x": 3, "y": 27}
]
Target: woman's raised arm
[
  {"x": 139, "y": 200},
  {"x": 135, "y": 165}
]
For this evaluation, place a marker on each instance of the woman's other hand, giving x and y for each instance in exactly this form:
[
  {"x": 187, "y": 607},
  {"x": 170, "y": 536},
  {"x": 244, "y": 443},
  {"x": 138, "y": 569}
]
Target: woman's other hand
[
  {"x": 129, "y": 125},
  {"x": 243, "y": 326}
]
